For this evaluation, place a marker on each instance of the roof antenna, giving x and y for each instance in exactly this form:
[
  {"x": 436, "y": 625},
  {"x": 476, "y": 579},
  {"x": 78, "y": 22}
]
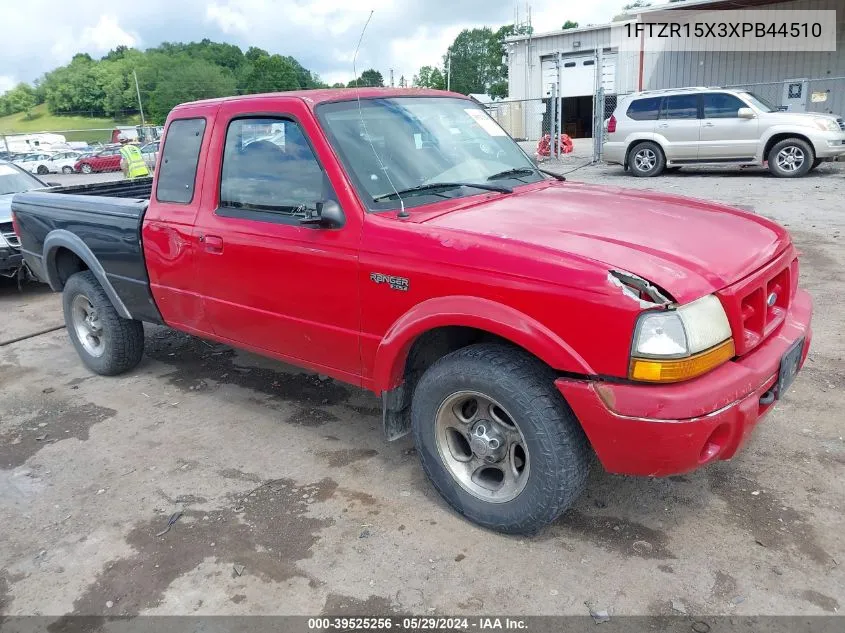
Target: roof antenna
[{"x": 402, "y": 213}]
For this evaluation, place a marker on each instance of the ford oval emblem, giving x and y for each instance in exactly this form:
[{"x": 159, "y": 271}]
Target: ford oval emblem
[{"x": 770, "y": 300}]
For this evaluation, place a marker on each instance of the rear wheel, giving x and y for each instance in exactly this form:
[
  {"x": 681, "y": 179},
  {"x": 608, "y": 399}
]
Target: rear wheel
[
  {"x": 791, "y": 158},
  {"x": 86, "y": 168},
  {"x": 646, "y": 159},
  {"x": 497, "y": 440},
  {"x": 67, "y": 169},
  {"x": 42, "y": 170},
  {"x": 107, "y": 343}
]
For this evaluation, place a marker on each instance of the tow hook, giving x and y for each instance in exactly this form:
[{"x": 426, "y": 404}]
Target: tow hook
[{"x": 768, "y": 397}]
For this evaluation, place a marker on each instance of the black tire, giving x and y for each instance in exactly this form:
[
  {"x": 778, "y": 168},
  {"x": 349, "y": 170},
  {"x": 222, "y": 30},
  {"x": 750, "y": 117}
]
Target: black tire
[
  {"x": 86, "y": 168},
  {"x": 672, "y": 170},
  {"x": 652, "y": 155},
  {"x": 42, "y": 170},
  {"x": 122, "y": 340},
  {"x": 557, "y": 453},
  {"x": 67, "y": 169},
  {"x": 797, "y": 148},
  {"x": 816, "y": 163}
]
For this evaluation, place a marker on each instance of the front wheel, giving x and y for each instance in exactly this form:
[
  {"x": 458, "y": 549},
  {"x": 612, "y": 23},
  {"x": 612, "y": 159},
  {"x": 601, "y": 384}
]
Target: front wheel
[
  {"x": 107, "y": 343},
  {"x": 86, "y": 168},
  {"x": 646, "y": 159},
  {"x": 791, "y": 158},
  {"x": 497, "y": 440},
  {"x": 42, "y": 170}
]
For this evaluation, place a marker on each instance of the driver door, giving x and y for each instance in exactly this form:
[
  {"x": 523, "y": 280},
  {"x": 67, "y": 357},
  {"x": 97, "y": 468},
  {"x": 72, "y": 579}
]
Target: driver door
[{"x": 270, "y": 283}]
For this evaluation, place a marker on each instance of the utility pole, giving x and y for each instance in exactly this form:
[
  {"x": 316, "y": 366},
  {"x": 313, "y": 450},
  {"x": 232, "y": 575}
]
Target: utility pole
[
  {"x": 449, "y": 70},
  {"x": 391, "y": 78},
  {"x": 140, "y": 107}
]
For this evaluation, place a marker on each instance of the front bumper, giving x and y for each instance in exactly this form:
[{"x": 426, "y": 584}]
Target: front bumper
[
  {"x": 829, "y": 144},
  {"x": 660, "y": 430}
]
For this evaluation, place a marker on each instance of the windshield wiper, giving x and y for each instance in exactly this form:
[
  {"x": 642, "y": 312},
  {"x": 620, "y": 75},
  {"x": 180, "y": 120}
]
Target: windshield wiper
[
  {"x": 552, "y": 174},
  {"x": 435, "y": 186},
  {"x": 512, "y": 173}
]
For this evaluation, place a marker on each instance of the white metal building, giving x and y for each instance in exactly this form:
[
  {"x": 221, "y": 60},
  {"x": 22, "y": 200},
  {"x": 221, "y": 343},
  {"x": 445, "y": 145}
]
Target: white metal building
[{"x": 535, "y": 62}]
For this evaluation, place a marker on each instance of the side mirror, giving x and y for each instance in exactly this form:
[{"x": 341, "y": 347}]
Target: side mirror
[
  {"x": 746, "y": 113},
  {"x": 328, "y": 215}
]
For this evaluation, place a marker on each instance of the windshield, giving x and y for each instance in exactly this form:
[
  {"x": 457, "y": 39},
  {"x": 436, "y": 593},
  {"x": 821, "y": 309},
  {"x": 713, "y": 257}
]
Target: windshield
[
  {"x": 15, "y": 180},
  {"x": 406, "y": 143},
  {"x": 759, "y": 102}
]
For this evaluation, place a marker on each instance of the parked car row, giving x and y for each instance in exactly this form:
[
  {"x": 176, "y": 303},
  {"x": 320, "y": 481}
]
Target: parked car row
[{"x": 67, "y": 162}]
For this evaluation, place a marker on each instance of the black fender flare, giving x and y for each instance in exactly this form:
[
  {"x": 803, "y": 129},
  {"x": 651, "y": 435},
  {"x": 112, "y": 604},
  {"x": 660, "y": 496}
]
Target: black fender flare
[{"x": 61, "y": 238}]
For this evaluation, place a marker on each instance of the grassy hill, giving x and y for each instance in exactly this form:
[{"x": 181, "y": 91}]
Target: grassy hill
[{"x": 43, "y": 121}]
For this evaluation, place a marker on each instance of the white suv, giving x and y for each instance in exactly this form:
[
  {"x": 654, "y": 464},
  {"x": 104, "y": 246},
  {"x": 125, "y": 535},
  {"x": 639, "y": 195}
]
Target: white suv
[{"x": 652, "y": 131}]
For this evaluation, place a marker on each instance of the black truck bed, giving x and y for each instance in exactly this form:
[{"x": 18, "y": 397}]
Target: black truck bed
[{"x": 100, "y": 223}]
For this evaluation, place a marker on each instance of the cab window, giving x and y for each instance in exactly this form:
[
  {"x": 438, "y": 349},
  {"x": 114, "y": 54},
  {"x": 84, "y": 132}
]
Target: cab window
[{"x": 269, "y": 171}]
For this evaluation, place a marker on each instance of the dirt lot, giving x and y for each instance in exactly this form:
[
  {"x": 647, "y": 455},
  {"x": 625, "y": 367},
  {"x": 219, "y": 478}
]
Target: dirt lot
[{"x": 292, "y": 503}]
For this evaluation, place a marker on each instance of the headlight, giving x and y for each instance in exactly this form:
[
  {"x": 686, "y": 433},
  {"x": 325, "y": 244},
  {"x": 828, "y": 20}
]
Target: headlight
[
  {"x": 674, "y": 345},
  {"x": 828, "y": 125}
]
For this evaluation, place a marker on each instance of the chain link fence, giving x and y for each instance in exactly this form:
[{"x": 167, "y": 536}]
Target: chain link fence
[{"x": 824, "y": 95}]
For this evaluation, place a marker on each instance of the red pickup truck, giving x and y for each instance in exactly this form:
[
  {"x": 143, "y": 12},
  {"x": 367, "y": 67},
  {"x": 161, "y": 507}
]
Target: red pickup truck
[{"x": 399, "y": 240}]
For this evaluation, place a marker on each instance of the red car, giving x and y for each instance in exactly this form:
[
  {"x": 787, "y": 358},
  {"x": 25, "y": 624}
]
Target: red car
[
  {"x": 403, "y": 243},
  {"x": 104, "y": 160}
]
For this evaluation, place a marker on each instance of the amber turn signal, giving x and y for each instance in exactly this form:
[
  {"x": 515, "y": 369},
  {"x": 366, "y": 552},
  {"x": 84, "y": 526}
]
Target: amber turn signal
[{"x": 678, "y": 369}]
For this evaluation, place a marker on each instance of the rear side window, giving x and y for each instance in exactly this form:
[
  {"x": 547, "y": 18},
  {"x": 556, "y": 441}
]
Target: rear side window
[
  {"x": 644, "y": 109},
  {"x": 721, "y": 106},
  {"x": 178, "y": 171},
  {"x": 680, "y": 107}
]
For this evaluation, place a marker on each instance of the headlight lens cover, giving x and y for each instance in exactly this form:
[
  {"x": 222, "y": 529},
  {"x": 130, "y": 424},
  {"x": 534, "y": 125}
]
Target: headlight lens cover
[
  {"x": 689, "y": 330},
  {"x": 828, "y": 125}
]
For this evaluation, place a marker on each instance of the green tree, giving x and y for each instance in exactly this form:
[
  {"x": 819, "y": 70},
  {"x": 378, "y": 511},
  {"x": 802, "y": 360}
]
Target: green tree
[
  {"x": 569, "y": 24},
  {"x": 272, "y": 73},
  {"x": 187, "y": 79},
  {"x": 21, "y": 98},
  {"x": 429, "y": 77},
  {"x": 370, "y": 78},
  {"x": 630, "y": 9}
]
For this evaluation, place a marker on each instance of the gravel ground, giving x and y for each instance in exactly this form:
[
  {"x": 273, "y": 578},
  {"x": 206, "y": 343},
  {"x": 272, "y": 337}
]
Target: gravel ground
[{"x": 292, "y": 502}]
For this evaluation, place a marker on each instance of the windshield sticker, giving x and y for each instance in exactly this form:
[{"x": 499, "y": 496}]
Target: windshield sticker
[
  {"x": 6, "y": 170},
  {"x": 485, "y": 122}
]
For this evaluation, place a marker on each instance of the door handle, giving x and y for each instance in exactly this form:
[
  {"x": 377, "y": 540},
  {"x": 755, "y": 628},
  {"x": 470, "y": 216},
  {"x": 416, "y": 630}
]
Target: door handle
[
  {"x": 212, "y": 243},
  {"x": 663, "y": 125},
  {"x": 708, "y": 124}
]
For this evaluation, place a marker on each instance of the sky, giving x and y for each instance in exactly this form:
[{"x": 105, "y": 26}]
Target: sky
[{"x": 39, "y": 35}]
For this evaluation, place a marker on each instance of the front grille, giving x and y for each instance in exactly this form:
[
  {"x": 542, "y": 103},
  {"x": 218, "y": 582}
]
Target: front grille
[
  {"x": 8, "y": 232},
  {"x": 758, "y": 304}
]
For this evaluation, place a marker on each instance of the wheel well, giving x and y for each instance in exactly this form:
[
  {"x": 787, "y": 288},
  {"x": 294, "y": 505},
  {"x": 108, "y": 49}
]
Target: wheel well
[
  {"x": 67, "y": 263},
  {"x": 633, "y": 144},
  {"x": 426, "y": 349},
  {"x": 782, "y": 136}
]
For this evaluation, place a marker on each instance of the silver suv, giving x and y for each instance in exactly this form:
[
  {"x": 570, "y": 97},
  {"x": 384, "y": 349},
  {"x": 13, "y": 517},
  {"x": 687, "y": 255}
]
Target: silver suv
[{"x": 653, "y": 131}]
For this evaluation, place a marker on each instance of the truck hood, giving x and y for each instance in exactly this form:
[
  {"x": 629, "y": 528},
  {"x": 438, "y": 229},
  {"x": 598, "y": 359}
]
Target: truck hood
[
  {"x": 688, "y": 247},
  {"x": 6, "y": 208}
]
